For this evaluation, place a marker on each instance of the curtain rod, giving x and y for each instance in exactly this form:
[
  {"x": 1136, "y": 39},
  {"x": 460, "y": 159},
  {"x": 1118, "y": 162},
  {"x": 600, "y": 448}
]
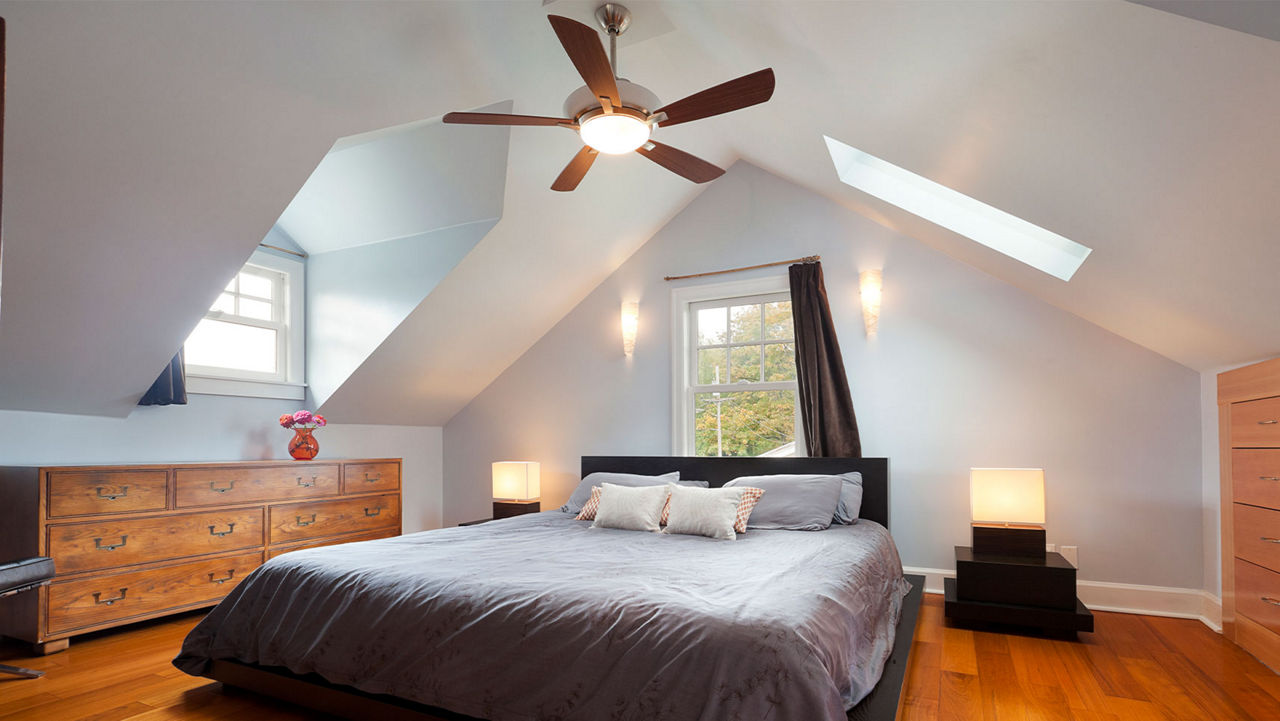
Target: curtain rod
[
  {"x": 806, "y": 259},
  {"x": 282, "y": 250}
]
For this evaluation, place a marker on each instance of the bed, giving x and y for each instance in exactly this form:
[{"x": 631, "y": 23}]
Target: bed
[{"x": 542, "y": 617}]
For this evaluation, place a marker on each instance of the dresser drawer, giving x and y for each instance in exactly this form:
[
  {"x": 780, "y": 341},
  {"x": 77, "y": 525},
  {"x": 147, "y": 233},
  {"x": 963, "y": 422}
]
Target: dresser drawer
[
  {"x": 1257, "y": 536},
  {"x": 89, "y": 492},
  {"x": 372, "y": 536},
  {"x": 112, "y": 597},
  {"x": 1255, "y": 476},
  {"x": 1256, "y": 424},
  {"x": 299, "y": 521},
  {"x": 109, "y": 544},
  {"x": 247, "y": 484},
  {"x": 1258, "y": 594},
  {"x": 366, "y": 477}
]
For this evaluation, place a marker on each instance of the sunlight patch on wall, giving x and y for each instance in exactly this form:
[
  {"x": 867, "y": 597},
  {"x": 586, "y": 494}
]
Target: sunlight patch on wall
[{"x": 1039, "y": 248}]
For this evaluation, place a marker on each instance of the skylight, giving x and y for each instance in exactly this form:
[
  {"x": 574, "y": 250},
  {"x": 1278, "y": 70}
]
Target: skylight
[{"x": 1039, "y": 248}]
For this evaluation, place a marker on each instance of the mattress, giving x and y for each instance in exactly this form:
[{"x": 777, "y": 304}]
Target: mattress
[{"x": 543, "y": 617}]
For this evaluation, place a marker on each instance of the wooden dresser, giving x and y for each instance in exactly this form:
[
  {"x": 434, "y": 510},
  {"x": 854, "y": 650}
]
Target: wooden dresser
[
  {"x": 136, "y": 542},
  {"x": 1249, "y": 434}
]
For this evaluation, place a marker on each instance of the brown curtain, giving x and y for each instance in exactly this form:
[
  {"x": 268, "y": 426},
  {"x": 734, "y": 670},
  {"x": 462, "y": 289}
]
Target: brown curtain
[
  {"x": 170, "y": 389},
  {"x": 830, "y": 428}
]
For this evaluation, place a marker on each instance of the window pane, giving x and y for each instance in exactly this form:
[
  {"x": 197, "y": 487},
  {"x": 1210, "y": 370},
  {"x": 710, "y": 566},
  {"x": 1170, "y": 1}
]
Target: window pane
[
  {"x": 231, "y": 345},
  {"x": 259, "y": 309},
  {"x": 225, "y": 303},
  {"x": 779, "y": 362},
  {"x": 743, "y": 423},
  {"x": 744, "y": 364},
  {"x": 711, "y": 326},
  {"x": 777, "y": 321},
  {"x": 255, "y": 285},
  {"x": 713, "y": 366},
  {"x": 231, "y": 287},
  {"x": 744, "y": 323}
]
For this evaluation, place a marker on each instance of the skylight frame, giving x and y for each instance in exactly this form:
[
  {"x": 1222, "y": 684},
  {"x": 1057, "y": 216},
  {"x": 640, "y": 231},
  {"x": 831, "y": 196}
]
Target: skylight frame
[{"x": 1019, "y": 239}]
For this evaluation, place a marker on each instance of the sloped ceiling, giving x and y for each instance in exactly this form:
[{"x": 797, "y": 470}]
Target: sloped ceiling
[{"x": 150, "y": 146}]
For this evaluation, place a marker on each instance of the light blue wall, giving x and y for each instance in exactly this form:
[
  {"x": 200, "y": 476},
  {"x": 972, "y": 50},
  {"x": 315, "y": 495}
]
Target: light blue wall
[
  {"x": 221, "y": 428},
  {"x": 966, "y": 371}
]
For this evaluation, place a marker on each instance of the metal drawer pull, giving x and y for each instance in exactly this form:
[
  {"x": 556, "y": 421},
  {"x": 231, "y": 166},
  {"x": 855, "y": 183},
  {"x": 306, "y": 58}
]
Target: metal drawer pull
[
  {"x": 1269, "y": 478},
  {"x": 306, "y": 523},
  {"x": 230, "y": 528},
  {"x": 372, "y": 479},
  {"x": 97, "y": 543},
  {"x": 1271, "y": 422},
  {"x": 213, "y": 486},
  {"x": 376, "y": 511},
  {"x": 98, "y": 600},
  {"x": 1271, "y": 600},
  {"x": 230, "y": 574},
  {"x": 1269, "y": 540},
  {"x": 305, "y": 484},
  {"x": 124, "y": 491}
]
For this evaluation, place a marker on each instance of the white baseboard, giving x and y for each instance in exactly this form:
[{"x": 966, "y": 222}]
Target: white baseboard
[{"x": 1122, "y": 598}]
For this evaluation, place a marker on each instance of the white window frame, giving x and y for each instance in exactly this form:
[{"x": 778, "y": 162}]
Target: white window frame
[
  {"x": 684, "y": 348},
  {"x": 288, "y": 382}
]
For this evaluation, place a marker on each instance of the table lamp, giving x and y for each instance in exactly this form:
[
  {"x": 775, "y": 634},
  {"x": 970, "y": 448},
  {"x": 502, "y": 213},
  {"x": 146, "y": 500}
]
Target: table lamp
[
  {"x": 516, "y": 488},
  {"x": 1006, "y": 507}
]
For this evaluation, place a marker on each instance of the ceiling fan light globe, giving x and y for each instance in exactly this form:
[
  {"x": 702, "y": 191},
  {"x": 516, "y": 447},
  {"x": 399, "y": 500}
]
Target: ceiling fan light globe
[{"x": 614, "y": 134}]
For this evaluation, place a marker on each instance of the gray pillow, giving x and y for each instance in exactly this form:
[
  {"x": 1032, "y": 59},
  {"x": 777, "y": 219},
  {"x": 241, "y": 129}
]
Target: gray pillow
[
  {"x": 793, "y": 502},
  {"x": 850, "y": 499},
  {"x": 582, "y": 493}
]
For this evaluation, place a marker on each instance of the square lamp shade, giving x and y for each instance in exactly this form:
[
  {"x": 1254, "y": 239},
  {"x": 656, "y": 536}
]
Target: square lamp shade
[
  {"x": 1006, "y": 495},
  {"x": 516, "y": 480}
]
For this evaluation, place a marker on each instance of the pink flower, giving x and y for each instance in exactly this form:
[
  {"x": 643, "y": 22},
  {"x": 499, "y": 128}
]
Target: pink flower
[
  {"x": 320, "y": 421},
  {"x": 302, "y": 417},
  {"x": 286, "y": 420}
]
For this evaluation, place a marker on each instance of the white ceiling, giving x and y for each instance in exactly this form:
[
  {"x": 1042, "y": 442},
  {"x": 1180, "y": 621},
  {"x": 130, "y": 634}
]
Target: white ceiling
[{"x": 150, "y": 146}]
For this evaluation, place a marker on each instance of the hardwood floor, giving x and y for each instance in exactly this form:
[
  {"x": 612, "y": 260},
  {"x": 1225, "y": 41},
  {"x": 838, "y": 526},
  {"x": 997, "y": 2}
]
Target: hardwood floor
[{"x": 1134, "y": 667}]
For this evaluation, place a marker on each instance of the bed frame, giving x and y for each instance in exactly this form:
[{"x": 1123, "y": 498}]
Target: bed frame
[{"x": 882, "y": 704}]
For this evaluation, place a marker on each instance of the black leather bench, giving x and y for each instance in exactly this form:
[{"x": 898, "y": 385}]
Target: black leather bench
[{"x": 19, "y": 576}]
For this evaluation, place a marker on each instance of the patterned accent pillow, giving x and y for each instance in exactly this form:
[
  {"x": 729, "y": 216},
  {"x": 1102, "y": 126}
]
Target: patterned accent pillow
[
  {"x": 750, "y": 497},
  {"x": 588, "y": 512}
]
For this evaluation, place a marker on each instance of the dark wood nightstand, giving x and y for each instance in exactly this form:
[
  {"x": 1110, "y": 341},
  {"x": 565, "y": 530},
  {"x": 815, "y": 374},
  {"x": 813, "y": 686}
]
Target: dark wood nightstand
[
  {"x": 1029, "y": 591},
  {"x": 508, "y": 509}
]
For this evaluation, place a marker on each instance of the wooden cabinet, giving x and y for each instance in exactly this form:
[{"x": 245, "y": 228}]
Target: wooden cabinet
[
  {"x": 1249, "y": 435},
  {"x": 138, "y": 542}
]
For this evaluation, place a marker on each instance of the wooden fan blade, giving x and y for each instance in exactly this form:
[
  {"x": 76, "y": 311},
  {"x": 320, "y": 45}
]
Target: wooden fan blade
[
  {"x": 588, "y": 56},
  {"x": 504, "y": 119},
  {"x": 681, "y": 163},
  {"x": 578, "y": 167},
  {"x": 736, "y": 94}
]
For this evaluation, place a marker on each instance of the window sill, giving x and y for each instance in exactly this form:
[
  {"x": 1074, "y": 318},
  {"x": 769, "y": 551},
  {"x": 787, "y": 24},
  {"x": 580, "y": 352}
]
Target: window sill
[{"x": 208, "y": 386}]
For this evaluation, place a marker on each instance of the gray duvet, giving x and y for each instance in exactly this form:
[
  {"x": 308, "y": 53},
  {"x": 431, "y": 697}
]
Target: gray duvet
[{"x": 543, "y": 617}]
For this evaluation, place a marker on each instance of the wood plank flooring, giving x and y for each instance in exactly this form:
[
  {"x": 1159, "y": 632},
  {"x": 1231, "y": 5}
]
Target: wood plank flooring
[{"x": 1134, "y": 667}]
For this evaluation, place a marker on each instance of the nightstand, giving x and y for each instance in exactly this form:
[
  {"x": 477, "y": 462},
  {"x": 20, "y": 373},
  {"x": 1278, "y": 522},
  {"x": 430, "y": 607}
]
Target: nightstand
[
  {"x": 475, "y": 523},
  {"x": 508, "y": 509},
  {"x": 1030, "y": 591}
]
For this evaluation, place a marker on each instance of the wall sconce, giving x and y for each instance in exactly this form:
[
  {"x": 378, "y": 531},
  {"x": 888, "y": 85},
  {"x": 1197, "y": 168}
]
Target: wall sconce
[
  {"x": 869, "y": 286},
  {"x": 630, "y": 322}
]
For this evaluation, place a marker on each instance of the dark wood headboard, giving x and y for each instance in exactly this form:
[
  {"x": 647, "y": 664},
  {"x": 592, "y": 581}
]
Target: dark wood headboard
[{"x": 719, "y": 471}]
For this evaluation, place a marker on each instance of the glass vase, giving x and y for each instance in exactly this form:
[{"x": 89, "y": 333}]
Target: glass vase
[{"x": 303, "y": 446}]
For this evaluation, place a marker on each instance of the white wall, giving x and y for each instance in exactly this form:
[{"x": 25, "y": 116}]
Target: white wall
[
  {"x": 966, "y": 371},
  {"x": 222, "y": 428}
]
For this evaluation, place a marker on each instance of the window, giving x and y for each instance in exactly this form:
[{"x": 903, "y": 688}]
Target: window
[
  {"x": 1039, "y": 248},
  {"x": 252, "y": 335},
  {"x": 737, "y": 382}
]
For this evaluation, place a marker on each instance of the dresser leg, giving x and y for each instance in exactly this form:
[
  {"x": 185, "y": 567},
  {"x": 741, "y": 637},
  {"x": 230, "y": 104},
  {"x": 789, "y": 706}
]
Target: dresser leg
[{"x": 48, "y": 647}]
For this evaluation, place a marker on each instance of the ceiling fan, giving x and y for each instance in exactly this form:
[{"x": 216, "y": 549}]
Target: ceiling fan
[{"x": 616, "y": 116}]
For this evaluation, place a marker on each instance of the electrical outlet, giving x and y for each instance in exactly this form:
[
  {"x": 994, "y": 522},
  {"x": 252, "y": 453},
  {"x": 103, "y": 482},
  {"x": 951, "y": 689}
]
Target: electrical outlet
[
  {"x": 1050, "y": 547},
  {"x": 1072, "y": 554}
]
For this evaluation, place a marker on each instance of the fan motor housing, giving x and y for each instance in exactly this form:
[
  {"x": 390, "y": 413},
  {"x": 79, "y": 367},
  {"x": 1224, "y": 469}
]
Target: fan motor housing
[{"x": 636, "y": 97}]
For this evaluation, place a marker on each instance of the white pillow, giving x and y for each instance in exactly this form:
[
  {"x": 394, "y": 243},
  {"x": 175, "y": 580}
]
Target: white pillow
[
  {"x": 707, "y": 512},
  {"x": 582, "y": 493},
  {"x": 631, "y": 509},
  {"x": 850, "y": 498}
]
